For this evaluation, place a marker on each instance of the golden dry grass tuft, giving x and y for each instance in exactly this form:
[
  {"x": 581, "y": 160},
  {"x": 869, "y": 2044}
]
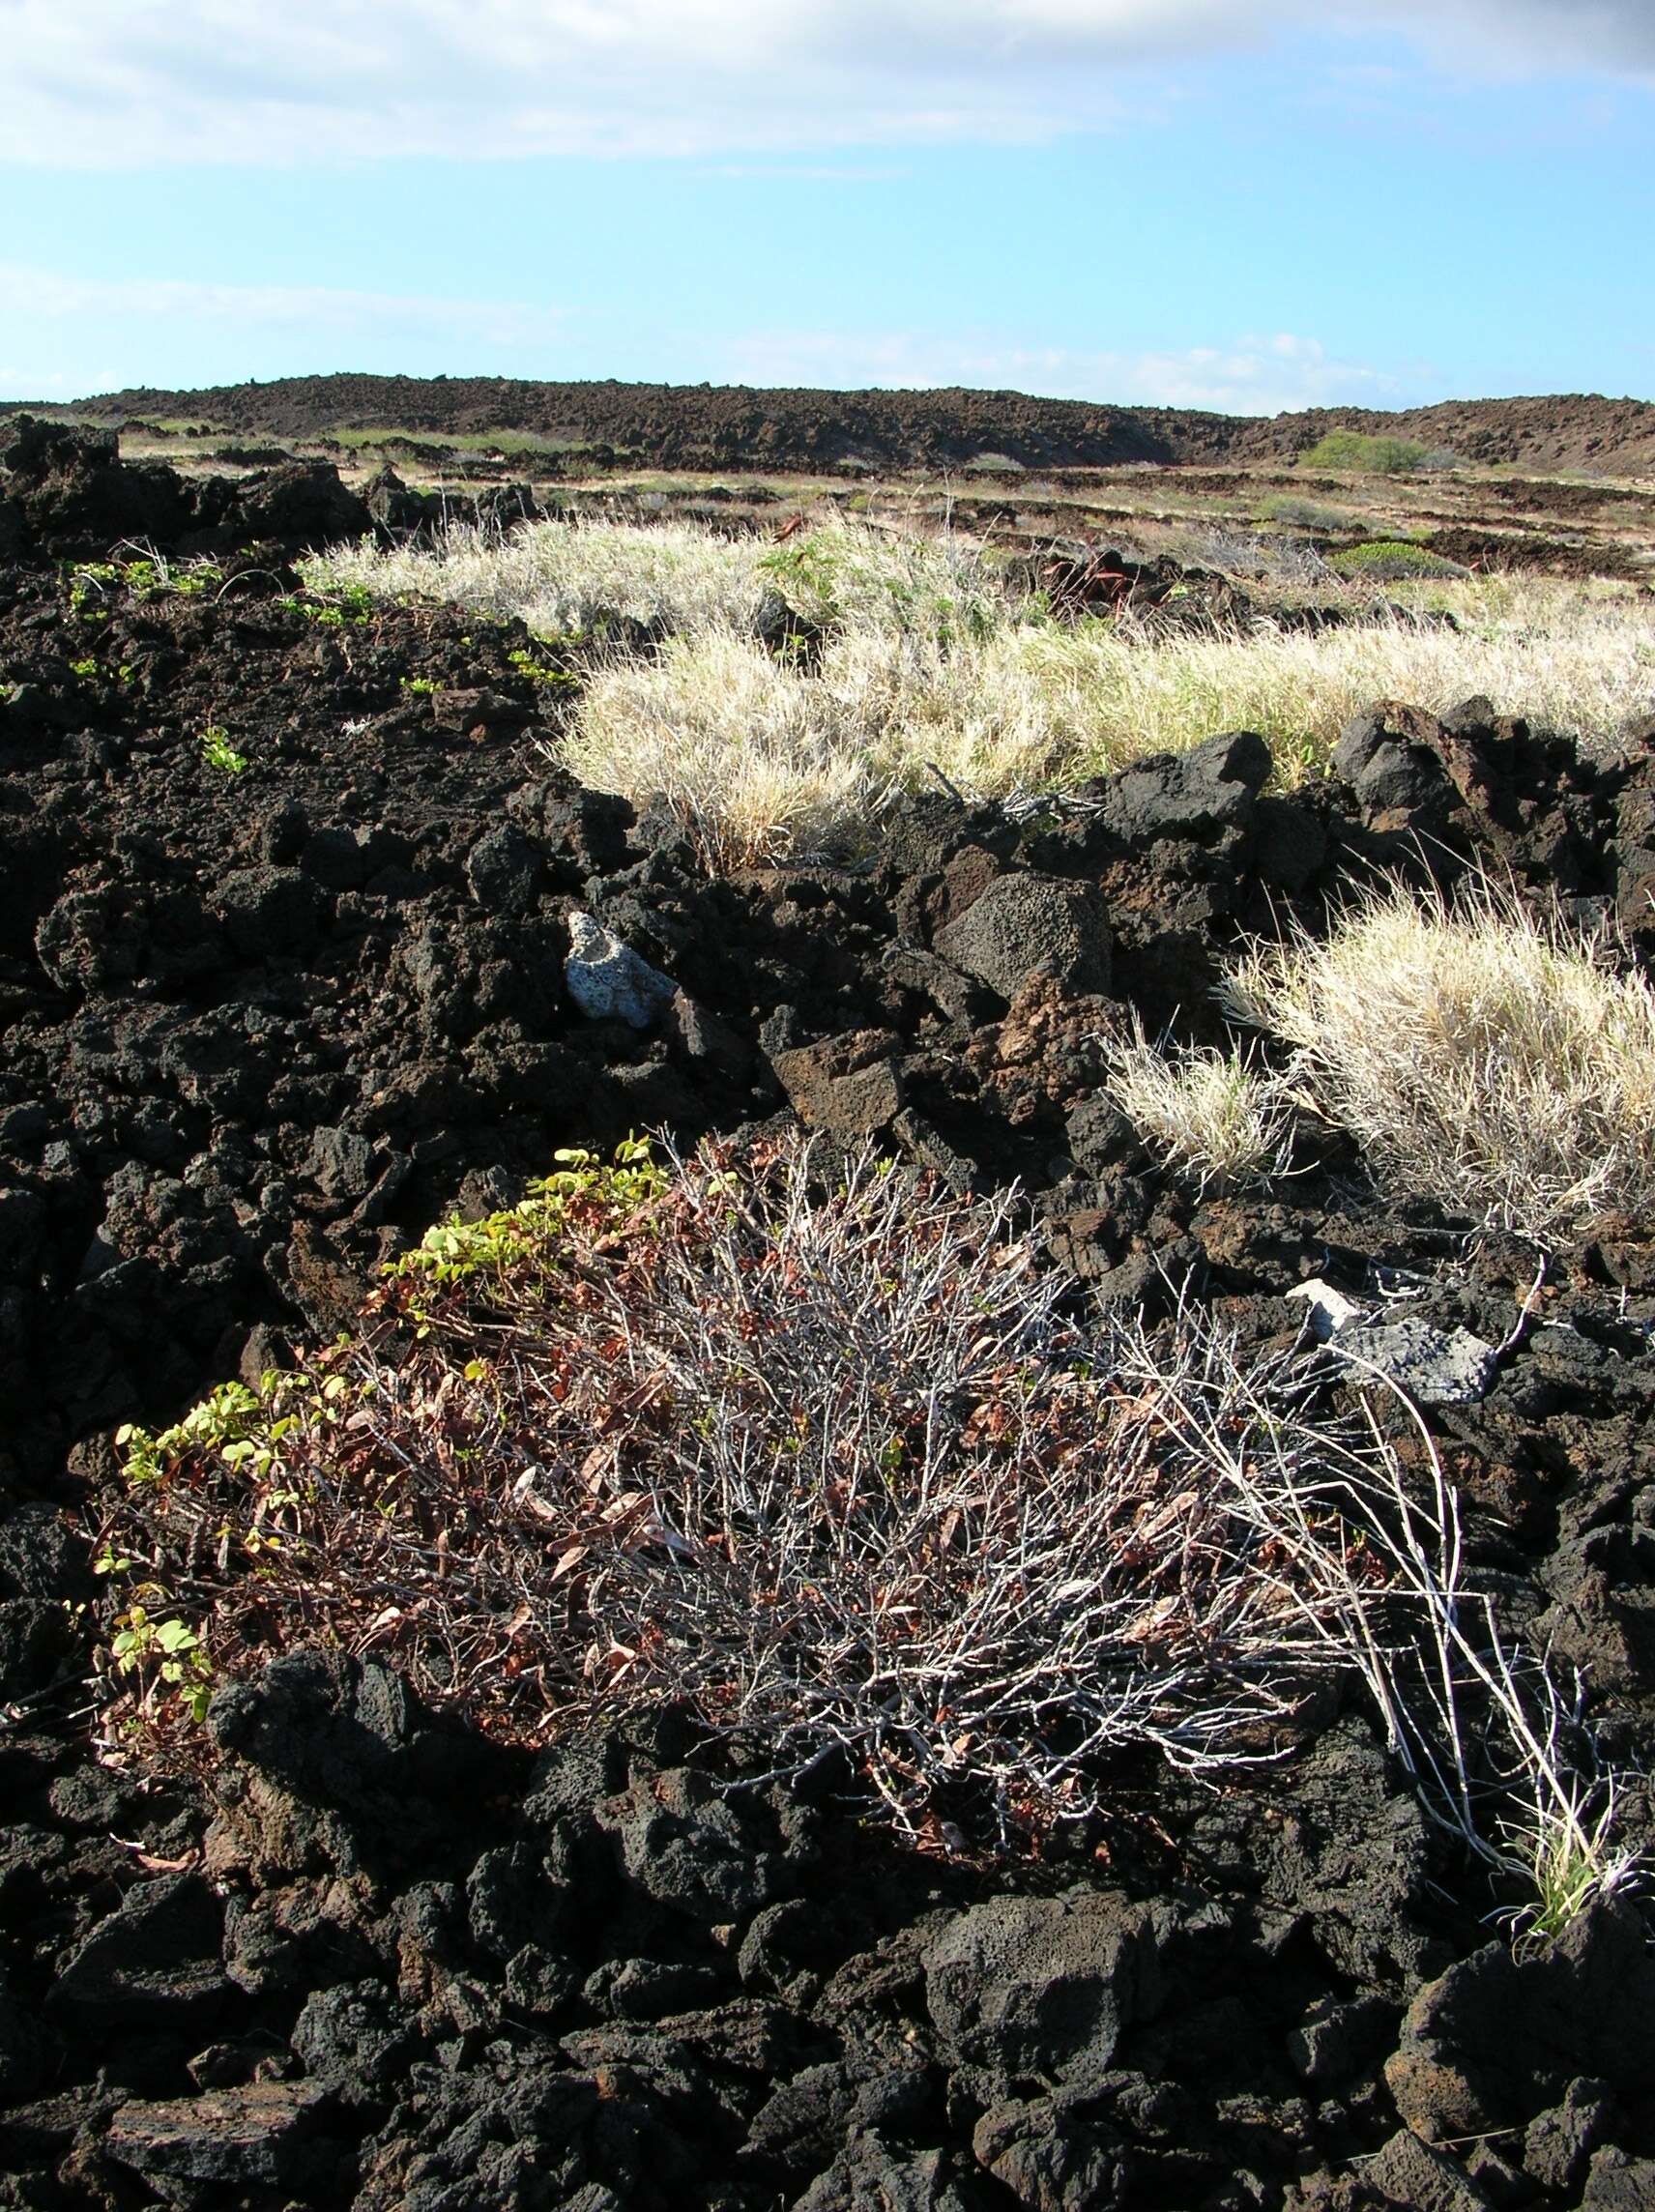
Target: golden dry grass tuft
[
  {"x": 1482, "y": 1052},
  {"x": 1211, "y": 1116}
]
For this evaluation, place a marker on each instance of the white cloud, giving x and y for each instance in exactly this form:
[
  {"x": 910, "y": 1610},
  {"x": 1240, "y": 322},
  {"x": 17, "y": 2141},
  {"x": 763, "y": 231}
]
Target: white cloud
[
  {"x": 160, "y": 319},
  {"x": 116, "y": 83},
  {"x": 1253, "y": 376},
  {"x": 1547, "y": 37},
  {"x": 46, "y": 296},
  {"x": 38, "y": 384}
]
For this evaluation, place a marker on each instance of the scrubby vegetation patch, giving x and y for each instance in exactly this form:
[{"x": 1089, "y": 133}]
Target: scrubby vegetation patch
[
  {"x": 813, "y": 1450},
  {"x": 835, "y": 1462}
]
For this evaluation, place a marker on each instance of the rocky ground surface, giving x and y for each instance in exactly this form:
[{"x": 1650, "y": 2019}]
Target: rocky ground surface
[
  {"x": 730, "y": 426},
  {"x": 261, "y": 1027}
]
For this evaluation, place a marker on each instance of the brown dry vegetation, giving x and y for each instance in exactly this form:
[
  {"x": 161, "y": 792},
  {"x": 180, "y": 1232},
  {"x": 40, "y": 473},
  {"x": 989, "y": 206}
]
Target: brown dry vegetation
[{"x": 835, "y": 1463}]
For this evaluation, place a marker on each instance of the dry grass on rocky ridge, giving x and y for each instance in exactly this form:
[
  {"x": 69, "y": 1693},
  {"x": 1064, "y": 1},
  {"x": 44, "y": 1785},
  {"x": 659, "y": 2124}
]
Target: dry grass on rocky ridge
[
  {"x": 759, "y": 756},
  {"x": 928, "y": 663},
  {"x": 683, "y": 578}
]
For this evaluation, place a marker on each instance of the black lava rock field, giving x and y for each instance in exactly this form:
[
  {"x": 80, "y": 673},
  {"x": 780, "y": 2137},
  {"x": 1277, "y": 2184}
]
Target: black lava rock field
[{"x": 261, "y": 1026}]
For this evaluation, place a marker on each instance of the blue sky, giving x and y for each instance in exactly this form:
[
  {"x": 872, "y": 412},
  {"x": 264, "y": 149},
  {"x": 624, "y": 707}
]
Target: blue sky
[{"x": 1245, "y": 204}]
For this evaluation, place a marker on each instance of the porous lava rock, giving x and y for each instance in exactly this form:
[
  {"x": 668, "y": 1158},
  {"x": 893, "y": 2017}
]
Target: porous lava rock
[{"x": 262, "y": 1027}]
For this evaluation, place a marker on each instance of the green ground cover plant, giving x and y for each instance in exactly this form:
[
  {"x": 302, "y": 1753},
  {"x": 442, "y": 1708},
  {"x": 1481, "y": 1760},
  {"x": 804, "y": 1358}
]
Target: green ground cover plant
[
  {"x": 144, "y": 573},
  {"x": 1391, "y": 561},
  {"x": 219, "y": 753}
]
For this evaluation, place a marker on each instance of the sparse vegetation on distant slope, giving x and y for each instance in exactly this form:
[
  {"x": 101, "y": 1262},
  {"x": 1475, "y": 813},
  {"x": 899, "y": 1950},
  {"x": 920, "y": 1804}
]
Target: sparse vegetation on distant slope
[
  {"x": 1481, "y": 1053},
  {"x": 1305, "y": 514}
]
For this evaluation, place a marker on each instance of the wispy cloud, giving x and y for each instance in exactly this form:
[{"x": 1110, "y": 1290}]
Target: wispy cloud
[
  {"x": 90, "y": 85},
  {"x": 1253, "y": 376},
  {"x": 49, "y": 295},
  {"x": 806, "y": 172},
  {"x": 161, "y": 319}
]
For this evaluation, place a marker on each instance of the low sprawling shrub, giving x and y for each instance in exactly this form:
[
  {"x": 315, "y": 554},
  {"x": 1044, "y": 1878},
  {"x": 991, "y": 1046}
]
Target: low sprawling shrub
[
  {"x": 1392, "y": 561},
  {"x": 811, "y": 1448},
  {"x": 837, "y": 1463},
  {"x": 1482, "y": 1052},
  {"x": 1373, "y": 454}
]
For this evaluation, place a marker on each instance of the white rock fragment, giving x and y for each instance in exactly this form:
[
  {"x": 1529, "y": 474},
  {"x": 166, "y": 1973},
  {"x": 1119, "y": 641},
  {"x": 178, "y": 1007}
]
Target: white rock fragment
[
  {"x": 607, "y": 980},
  {"x": 1435, "y": 1366},
  {"x": 1329, "y": 1309}
]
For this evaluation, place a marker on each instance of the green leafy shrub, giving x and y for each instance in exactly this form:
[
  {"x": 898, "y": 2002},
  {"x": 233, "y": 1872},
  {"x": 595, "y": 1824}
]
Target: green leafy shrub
[
  {"x": 166, "y": 1660},
  {"x": 1392, "y": 561},
  {"x": 1372, "y": 455},
  {"x": 582, "y": 1193}
]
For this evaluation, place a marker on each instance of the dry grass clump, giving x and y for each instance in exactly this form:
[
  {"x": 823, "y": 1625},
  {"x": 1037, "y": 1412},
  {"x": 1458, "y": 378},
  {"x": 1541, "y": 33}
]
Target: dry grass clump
[
  {"x": 755, "y": 762},
  {"x": 1565, "y": 659},
  {"x": 1481, "y": 1051},
  {"x": 1213, "y": 1117},
  {"x": 759, "y": 758},
  {"x": 562, "y": 577}
]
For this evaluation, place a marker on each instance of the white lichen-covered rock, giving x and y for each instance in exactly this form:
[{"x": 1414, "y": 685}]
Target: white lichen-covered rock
[
  {"x": 608, "y": 982},
  {"x": 1435, "y": 1366}
]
